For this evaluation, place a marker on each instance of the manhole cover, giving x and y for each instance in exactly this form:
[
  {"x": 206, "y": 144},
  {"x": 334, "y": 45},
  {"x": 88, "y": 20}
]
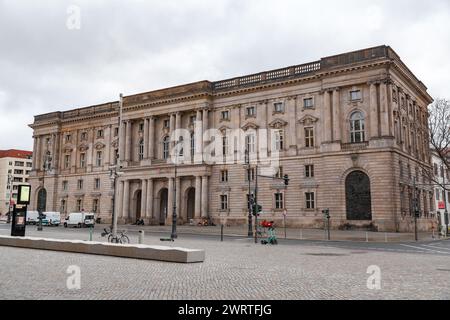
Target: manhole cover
[{"x": 326, "y": 254}]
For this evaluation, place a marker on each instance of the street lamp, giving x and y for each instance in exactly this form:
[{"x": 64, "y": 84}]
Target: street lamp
[
  {"x": 47, "y": 162},
  {"x": 174, "y": 234}
]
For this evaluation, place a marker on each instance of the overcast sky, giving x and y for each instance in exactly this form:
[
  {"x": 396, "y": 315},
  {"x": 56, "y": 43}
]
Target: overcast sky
[{"x": 49, "y": 64}]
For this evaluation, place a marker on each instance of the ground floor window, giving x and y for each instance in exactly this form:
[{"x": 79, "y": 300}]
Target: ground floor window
[
  {"x": 279, "y": 201},
  {"x": 310, "y": 200},
  {"x": 224, "y": 202}
]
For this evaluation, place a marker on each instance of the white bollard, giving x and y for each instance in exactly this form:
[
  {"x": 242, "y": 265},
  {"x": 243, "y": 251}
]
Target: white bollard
[{"x": 141, "y": 236}]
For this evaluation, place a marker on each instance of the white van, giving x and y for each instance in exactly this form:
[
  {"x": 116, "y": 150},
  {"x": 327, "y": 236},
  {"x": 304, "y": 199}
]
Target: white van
[
  {"x": 80, "y": 220},
  {"x": 53, "y": 218},
  {"x": 32, "y": 217}
]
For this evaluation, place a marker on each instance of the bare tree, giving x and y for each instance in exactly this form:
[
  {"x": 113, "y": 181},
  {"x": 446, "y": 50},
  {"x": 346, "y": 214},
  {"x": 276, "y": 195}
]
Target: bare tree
[{"x": 439, "y": 136}]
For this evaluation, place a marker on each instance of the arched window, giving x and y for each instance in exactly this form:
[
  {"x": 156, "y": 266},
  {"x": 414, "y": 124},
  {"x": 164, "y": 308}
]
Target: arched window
[
  {"x": 165, "y": 145},
  {"x": 141, "y": 149},
  {"x": 357, "y": 127},
  {"x": 358, "y": 196}
]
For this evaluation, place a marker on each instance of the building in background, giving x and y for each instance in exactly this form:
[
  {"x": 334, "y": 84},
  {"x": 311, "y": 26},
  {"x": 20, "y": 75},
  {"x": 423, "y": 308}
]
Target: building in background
[
  {"x": 351, "y": 132},
  {"x": 15, "y": 165},
  {"x": 442, "y": 197}
]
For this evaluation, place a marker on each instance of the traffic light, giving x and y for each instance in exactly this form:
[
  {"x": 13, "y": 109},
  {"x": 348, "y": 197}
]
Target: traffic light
[
  {"x": 286, "y": 180},
  {"x": 326, "y": 213},
  {"x": 256, "y": 209}
]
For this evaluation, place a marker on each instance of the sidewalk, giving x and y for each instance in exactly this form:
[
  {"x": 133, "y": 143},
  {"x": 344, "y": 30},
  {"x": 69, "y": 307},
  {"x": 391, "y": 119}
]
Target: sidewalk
[{"x": 293, "y": 234}]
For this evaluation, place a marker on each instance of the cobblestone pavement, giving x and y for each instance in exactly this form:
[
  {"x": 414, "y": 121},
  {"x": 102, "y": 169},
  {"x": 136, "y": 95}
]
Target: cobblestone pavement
[{"x": 234, "y": 269}]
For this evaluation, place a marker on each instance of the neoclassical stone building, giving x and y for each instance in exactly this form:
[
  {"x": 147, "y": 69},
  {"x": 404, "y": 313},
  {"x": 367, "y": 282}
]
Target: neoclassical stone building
[{"x": 350, "y": 131}]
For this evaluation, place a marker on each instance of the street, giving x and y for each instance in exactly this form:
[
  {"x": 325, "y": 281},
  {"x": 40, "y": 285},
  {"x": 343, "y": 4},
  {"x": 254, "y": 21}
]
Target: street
[{"x": 234, "y": 269}]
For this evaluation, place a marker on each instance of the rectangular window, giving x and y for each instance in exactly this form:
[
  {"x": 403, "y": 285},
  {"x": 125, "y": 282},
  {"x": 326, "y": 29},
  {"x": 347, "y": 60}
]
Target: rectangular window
[
  {"x": 19, "y": 164},
  {"x": 250, "y": 143},
  {"x": 99, "y": 159},
  {"x": 95, "y": 205},
  {"x": 309, "y": 171},
  {"x": 355, "y": 95},
  {"x": 79, "y": 205},
  {"x": 116, "y": 132},
  {"x": 65, "y": 185},
  {"x": 225, "y": 115},
  {"x": 166, "y": 123},
  {"x": 82, "y": 160},
  {"x": 438, "y": 193},
  {"x": 141, "y": 127},
  {"x": 68, "y": 137},
  {"x": 18, "y": 171},
  {"x": 63, "y": 206},
  {"x": 279, "y": 173},
  {"x": 278, "y": 107},
  {"x": 308, "y": 103},
  {"x": 66, "y": 161},
  {"x": 225, "y": 145},
  {"x": 310, "y": 202},
  {"x": 80, "y": 184},
  {"x": 250, "y": 111},
  {"x": 97, "y": 184},
  {"x": 100, "y": 134},
  {"x": 224, "y": 176},
  {"x": 83, "y": 136},
  {"x": 279, "y": 204},
  {"x": 309, "y": 137},
  {"x": 279, "y": 140},
  {"x": 250, "y": 176},
  {"x": 224, "y": 202}
]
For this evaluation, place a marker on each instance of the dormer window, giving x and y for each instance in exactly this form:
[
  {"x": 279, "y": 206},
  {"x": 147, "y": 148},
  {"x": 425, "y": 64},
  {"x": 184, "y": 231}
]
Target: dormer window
[
  {"x": 166, "y": 124},
  {"x": 355, "y": 95},
  {"x": 250, "y": 111},
  {"x": 225, "y": 115},
  {"x": 308, "y": 103},
  {"x": 278, "y": 107}
]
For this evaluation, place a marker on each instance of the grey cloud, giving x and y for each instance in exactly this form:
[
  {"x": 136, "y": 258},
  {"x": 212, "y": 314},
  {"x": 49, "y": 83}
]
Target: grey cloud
[{"x": 134, "y": 46}]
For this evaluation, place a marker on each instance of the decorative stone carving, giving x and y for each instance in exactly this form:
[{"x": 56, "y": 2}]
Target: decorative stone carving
[
  {"x": 308, "y": 120},
  {"x": 99, "y": 146},
  {"x": 250, "y": 125},
  {"x": 83, "y": 147},
  {"x": 278, "y": 124}
]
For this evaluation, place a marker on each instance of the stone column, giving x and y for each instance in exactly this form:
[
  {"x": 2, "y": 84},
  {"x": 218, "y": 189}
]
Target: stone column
[
  {"x": 119, "y": 200},
  {"x": 146, "y": 137},
  {"x": 291, "y": 135},
  {"x": 108, "y": 141},
  {"x": 126, "y": 200},
  {"x": 336, "y": 115},
  {"x": 143, "y": 198},
  {"x": 198, "y": 157},
  {"x": 151, "y": 139},
  {"x": 38, "y": 153},
  {"x": 35, "y": 152},
  {"x": 149, "y": 213},
  {"x": 204, "y": 196},
  {"x": 327, "y": 128},
  {"x": 373, "y": 116},
  {"x": 122, "y": 140},
  {"x": 170, "y": 200},
  {"x": 178, "y": 197},
  {"x": 198, "y": 198},
  {"x": 128, "y": 141},
  {"x": 205, "y": 123},
  {"x": 384, "y": 112}
]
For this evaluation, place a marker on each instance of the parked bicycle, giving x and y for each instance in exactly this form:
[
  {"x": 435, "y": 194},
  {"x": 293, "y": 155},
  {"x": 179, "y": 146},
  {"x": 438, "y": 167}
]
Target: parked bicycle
[{"x": 121, "y": 236}]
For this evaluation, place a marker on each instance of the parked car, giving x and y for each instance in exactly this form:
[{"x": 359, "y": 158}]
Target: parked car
[
  {"x": 80, "y": 220},
  {"x": 52, "y": 219}
]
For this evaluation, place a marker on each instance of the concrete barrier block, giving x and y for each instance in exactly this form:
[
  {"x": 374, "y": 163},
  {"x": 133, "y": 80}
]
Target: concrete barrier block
[{"x": 146, "y": 252}]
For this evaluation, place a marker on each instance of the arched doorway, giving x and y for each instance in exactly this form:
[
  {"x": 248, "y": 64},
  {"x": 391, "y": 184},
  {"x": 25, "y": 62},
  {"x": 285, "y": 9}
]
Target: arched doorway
[
  {"x": 163, "y": 207},
  {"x": 358, "y": 197},
  {"x": 190, "y": 205},
  {"x": 42, "y": 200},
  {"x": 138, "y": 204}
]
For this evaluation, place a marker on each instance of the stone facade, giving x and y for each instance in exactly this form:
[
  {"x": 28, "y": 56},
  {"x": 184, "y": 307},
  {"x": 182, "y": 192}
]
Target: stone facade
[{"x": 350, "y": 131}]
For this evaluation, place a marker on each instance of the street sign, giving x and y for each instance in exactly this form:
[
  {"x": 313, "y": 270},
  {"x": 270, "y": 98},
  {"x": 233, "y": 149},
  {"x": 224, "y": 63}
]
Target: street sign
[{"x": 441, "y": 205}]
